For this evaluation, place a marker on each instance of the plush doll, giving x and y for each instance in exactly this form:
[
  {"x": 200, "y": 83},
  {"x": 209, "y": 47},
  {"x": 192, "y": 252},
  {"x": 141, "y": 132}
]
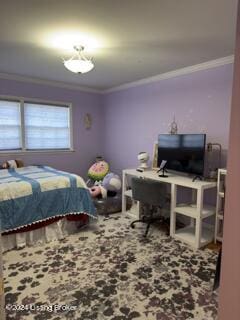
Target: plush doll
[
  {"x": 110, "y": 185},
  {"x": 98, "y": 192},
  {"x": 98, "y": 170},
  {"x": 13, "y": 164},
  {"x": 112, "y": 182}
]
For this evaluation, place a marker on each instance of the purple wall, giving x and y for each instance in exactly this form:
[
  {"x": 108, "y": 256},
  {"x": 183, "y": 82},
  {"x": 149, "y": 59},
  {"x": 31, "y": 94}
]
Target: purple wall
[
  {"x": 128, "y": 121},
  {"x": 87, "y": 143},
  {"x": 134, "y": 117}
]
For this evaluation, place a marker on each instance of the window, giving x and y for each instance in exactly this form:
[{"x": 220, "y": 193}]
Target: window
[
  {"x": 10, "y": 125},
  {"x": 29, "y": 126},
  {"x": 46, "y": 127}
]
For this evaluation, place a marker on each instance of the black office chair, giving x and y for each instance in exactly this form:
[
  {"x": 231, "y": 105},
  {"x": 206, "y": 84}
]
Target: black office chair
[{"x": 152, "y": 193}]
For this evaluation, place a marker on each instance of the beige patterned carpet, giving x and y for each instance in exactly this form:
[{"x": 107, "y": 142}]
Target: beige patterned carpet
[{"x": 109, "y": 271}]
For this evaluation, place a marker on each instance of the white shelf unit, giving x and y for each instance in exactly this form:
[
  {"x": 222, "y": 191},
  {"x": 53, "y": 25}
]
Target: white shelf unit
[
  {"x": 220, "y": 204},
  {"x": 190, "y": 210},
  {"x": 188, "y": 235},
  {"x": 134, "y": 211},
  {"x": 198, "y": 233}
]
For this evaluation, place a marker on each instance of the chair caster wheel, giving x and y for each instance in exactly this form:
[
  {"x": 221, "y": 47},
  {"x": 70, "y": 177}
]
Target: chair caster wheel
[{"x": 133, "y": 226}]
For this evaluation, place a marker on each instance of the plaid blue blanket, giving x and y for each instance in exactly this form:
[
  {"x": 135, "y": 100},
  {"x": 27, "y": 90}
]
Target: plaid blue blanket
[{"x": 37, "y": 193}]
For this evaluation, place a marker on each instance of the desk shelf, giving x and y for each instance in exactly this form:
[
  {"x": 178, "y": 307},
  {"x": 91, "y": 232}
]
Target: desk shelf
[
  {"x": 196, "y": 234},
  {"x": 135, "y": 206},
  {"x": 187, "y": 234},
  {"x": 190, "y": 210}
]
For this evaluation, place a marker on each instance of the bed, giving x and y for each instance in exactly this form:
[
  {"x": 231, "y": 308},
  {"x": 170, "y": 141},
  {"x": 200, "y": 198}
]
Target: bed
[{"x": 36, "y": 196}]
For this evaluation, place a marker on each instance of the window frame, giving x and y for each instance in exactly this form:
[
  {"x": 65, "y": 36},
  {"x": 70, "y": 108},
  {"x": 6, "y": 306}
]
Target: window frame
[{"x": 22, "y": 101}]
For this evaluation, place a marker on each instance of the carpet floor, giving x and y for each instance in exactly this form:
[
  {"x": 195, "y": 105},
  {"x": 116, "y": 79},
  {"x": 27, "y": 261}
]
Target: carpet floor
[{"x": 109, "y": 271}]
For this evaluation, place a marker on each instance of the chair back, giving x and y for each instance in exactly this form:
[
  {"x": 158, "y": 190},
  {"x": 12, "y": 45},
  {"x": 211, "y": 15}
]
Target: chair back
[{"x": 149, "y": 191}]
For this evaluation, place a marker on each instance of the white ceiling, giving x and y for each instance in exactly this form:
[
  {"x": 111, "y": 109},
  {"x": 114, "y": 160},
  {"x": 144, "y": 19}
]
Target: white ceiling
[{"x": 129, "y": 39}]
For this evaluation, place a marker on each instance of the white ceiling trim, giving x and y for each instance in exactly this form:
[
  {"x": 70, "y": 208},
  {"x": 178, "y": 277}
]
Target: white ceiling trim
[
  {"x": 172, "y": 74},
  {"x": 176, "y": 73},
  {"x": 53, "y": 83}
]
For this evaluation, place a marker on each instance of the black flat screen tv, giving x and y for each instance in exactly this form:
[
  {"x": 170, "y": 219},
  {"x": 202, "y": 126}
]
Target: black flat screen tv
[{"x": 183, "y": 152}]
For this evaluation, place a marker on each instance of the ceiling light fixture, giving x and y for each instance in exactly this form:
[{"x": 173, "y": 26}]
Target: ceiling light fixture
[{"x": 79, "y": 63}]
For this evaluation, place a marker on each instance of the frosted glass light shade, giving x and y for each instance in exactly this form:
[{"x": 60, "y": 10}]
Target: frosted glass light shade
[{"x": 79, "y": 65}]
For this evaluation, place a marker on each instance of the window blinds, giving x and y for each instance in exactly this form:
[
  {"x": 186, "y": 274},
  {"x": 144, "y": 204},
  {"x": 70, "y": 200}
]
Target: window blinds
[
  {"x": 46, "y": 126},
  {"x": 10, "y": 125}
]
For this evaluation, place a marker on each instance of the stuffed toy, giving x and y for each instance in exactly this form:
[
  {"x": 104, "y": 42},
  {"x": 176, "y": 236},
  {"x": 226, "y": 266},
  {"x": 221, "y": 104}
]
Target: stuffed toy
[
  {"x": 98, "y": 170},
  {"x": 110, "y": 185},
  {"x": 98, "y": 192},
  {"x": 112, "y": 182},
  {"x": 13, "y": 164}
]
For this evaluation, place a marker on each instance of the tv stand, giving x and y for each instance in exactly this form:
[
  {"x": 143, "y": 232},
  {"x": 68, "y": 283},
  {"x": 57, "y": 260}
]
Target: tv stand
[{"x": 197, "y": 178}]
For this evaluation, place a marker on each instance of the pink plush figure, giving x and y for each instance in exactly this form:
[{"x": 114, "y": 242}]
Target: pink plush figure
[
  {"x": 95, "y": 191},
  {"x": 98, "y": 192}
]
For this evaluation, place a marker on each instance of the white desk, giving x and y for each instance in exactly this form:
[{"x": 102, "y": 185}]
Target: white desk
[{"x": 197, "y": 234}]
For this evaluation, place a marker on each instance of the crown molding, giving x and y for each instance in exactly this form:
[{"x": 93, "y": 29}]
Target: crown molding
[
  {"x": 58, "y": 84},
  {"x": 163, "y": 76},
  {"x": 176, "y": 73}
]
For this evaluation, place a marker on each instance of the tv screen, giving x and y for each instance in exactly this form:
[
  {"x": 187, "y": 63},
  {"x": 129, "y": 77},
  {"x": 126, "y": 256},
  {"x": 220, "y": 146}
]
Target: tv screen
[{"x": 183, "y": 152}]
